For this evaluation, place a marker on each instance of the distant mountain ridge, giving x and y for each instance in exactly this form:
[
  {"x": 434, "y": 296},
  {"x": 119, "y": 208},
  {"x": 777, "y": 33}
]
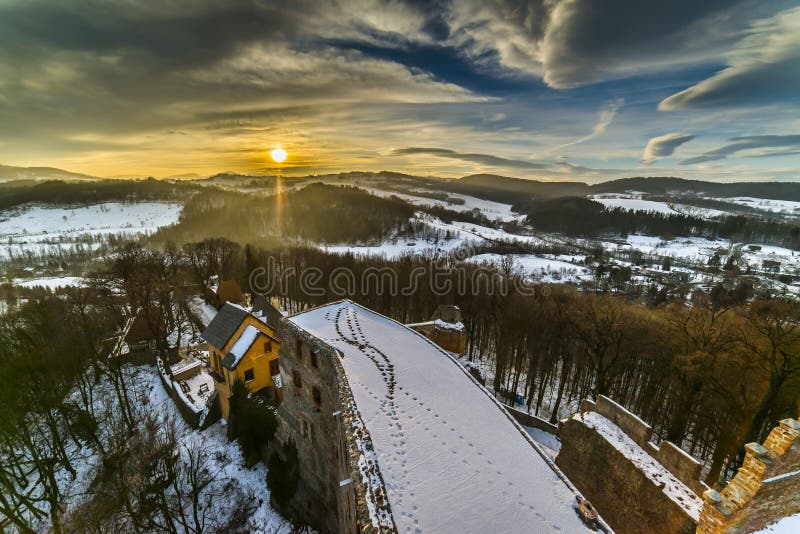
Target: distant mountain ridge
[
  {"x": 9, "y": 173},
  {"x": 488, "y": 186},
  {"x": 506, "y": 186}
]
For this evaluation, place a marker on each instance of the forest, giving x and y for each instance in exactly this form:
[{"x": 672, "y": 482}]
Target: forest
[
  {"x": 577, "y": 216},
  {"x": 711, "y": 373},
  {"x": 318, "y": 212}
]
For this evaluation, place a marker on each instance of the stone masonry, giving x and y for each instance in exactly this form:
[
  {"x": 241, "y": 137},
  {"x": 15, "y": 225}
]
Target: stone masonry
[
  {"x": 318, "y": 414},
  {"x": 764, "y": 489}
]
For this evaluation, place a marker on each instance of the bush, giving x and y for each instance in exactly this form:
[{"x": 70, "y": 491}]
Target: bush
[
  {"x": 252, "y": 423},
  {"x": 282, "y": 474}
]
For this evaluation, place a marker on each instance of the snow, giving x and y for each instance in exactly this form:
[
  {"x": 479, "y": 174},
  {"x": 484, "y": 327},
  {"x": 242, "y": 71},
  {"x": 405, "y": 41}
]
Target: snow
[
  {"x": 42, "y": 228},
  {"x": 194, "y": 398},
  {"x": 547, "y": 441},
  {"x": 781, "y": 477},
  {"x": 50, "y": 282},
  {"x": 689, "y": 247},
  {"x": 492, "y": 210},
  {"x": 637, "y": 204},
  {"x": 658, "y": 474},
  {"x": 202, "y": 310},
  {"x": 787, "y": 525},
  {"x": 462, "y": 235},
  {"x": 458, "y": 326},
  {"x": 785, "y": 207},
  {"x": 536, "y": 266},
  {"x": 452, "y": 459},
  {"x": 245, "y": 341},
  {"x": 224, "y": 460}
]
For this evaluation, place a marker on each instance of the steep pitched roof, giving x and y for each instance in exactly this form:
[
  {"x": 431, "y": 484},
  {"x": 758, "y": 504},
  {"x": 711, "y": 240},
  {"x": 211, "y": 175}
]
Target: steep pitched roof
[
  {"x": 270, "y": 314},
  {"x": 240, "y": 348},
  {"x": 222, "y": 327}
]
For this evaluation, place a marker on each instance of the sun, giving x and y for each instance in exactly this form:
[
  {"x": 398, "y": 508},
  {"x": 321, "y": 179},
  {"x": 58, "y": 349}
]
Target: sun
[{"x": 278, "y": 155}]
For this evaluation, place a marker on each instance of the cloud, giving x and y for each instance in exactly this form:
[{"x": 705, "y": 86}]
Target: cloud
[
  {"x": 739, "y": 144},
  {"x": 663, "y": 146},
  {"x": 568, "y": 43},
  {"x": 604, "y": 119},
  {"x": 763, "y": 67},
  {"x": 480, "y": 159}
]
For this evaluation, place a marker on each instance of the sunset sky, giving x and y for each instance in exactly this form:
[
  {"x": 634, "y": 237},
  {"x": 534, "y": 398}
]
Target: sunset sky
[{"x": 551, "y": 89}]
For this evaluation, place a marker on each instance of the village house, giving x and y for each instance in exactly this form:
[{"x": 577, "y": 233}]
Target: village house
[
  {"x": 218, "y": 293},
  {"x": 243, "y": 346}
]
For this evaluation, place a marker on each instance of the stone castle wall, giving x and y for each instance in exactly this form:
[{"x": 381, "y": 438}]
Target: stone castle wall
[
  {"x": 319, "y": 415},
  {"x": 763, "y": 490},
  {"x": 625, "y": 496}
]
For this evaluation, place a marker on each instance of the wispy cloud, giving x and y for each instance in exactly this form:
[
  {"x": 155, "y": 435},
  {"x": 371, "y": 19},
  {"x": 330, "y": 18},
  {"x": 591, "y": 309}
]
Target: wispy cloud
[
  {"x": 480, "y": 159},
  {"x": 663, "y": 146},
  {"x": 739, "y": 144},
  {"x": 762, "y": 67},
  {"x": 604, "y": 119}
]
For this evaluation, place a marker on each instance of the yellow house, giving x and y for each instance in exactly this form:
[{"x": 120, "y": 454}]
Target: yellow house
[{"x": 244, "y": 346}]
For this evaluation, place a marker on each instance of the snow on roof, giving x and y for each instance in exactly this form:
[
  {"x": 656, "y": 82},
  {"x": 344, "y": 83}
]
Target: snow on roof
[
  {"x": 676, "y": 490},
  {"x": 245, "y": 341},
  {"x": 451, "y": 458}
]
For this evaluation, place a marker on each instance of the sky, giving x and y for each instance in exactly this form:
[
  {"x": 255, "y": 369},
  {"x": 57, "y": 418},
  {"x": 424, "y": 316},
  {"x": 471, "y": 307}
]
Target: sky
[{"x": 585, "y": 90}]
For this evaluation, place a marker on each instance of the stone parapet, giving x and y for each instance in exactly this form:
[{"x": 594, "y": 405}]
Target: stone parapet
[{"x": 721, "y": 509}]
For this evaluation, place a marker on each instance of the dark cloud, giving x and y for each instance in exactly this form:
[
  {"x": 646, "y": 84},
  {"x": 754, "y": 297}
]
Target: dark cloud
[
  {"x": 663, "y": 146},
  {"x": 763, "y": 68},
  {"x": 481, "y": 159},
  {"x": 739, "y": 144}
]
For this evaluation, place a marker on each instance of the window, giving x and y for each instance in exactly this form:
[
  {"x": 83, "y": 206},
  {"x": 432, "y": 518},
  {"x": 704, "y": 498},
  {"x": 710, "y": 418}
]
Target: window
[
  {"x": 314, "y": 362},
  {"x": 317, "y": 395},
  {"x": 249, "y": 375},
  {"x": 267, "y": 347},
  {"x": 298, "y": 349},
  {"x": 298, "y": 382},
  {"x": 274, "y": 368},
  {"x": 305, "y": 428}
]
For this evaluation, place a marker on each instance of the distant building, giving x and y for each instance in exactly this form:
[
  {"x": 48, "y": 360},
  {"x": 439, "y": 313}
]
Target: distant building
[
  {"x": 445, "y": 329},
  {"x": 242, "y": 347},
  {"x": 394, "y": 435},
  {"x": 218, "y": 293},
  {"x": 771, "y": 265}
]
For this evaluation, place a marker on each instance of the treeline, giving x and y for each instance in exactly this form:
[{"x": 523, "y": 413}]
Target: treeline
[
  {"x": 318, "y": 212},
  {"x": 57, "y": 192},
  {"x": 711, "y": 375},
  {"x": 578, "y": 216}
]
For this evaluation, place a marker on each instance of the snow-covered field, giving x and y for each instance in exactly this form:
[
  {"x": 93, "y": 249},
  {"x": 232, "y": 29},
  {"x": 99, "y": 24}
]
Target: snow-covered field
[
  {"x": 451, "y": 458},
  {"x": 492, "y": 210},
  {"x": 50, "y": 282},
  {"x": 635, "y": 204},
  {"x": 538, "y": 267},
  {"x": 452, "y": 236},
  {"x": 39, "y": 229},
  {"x": 784, "y": 207},
  {"x": 688, "y": 247}
]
